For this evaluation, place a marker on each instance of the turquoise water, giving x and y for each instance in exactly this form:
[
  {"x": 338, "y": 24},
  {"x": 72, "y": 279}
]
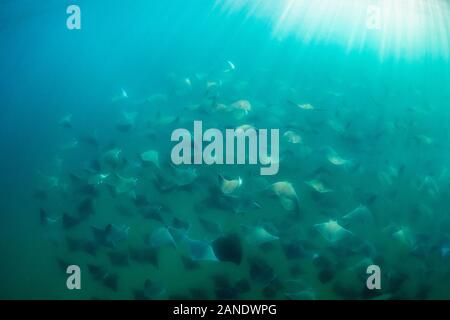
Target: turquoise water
[{"x": 361, "y": 110}]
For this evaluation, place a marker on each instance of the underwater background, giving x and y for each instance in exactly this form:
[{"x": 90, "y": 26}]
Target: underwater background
[{"x": 363, "y": 115}]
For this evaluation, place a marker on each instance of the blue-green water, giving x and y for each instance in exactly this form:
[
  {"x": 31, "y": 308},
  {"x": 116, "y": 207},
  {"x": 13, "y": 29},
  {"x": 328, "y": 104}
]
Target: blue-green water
[{"x": 362, "y": 110}]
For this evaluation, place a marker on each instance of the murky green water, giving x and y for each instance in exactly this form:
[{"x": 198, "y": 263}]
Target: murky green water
[{"x": 359, "y": 91}]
